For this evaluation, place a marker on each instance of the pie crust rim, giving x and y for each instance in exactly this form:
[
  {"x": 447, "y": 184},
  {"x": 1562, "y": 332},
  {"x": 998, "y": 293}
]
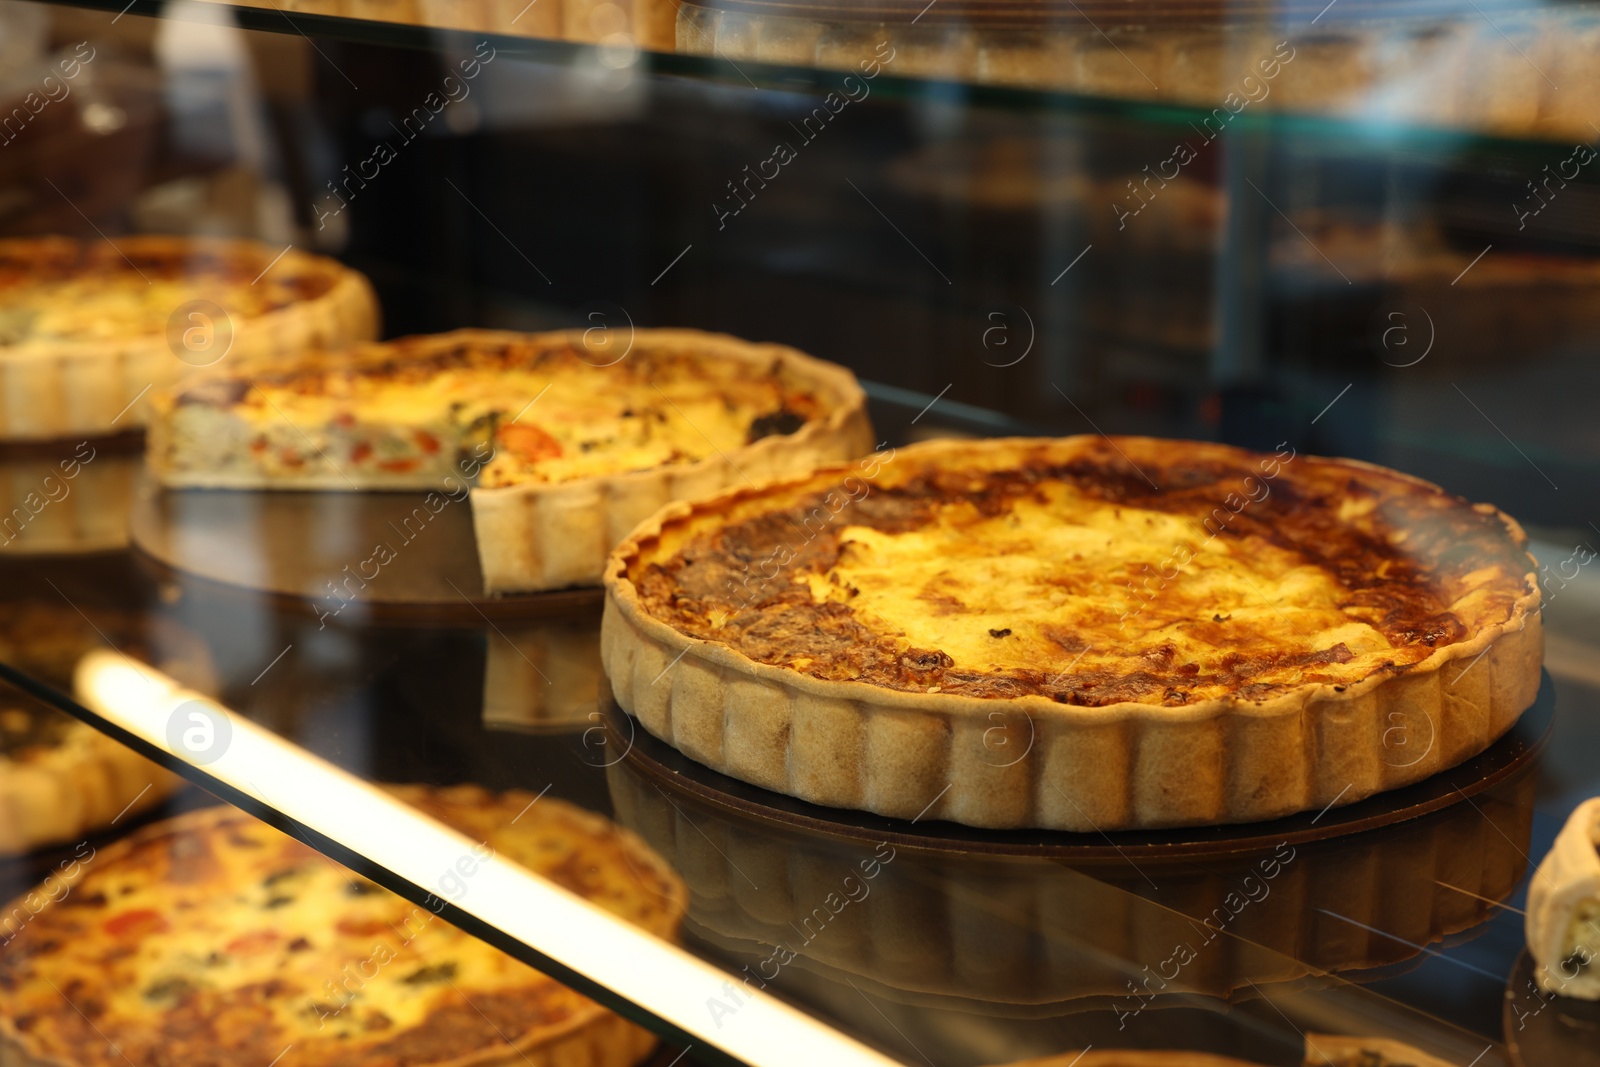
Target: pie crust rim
[
  {"x": 534, "y": 537},
  {"x": 1129, "y": 765}
]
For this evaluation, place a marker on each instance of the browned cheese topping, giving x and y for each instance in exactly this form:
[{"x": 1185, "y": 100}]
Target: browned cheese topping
[{"x": 1134, "y": 570}]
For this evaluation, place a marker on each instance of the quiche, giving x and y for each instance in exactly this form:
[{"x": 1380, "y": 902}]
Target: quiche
[
  {"x": 213, "y": 938},
  {"x": 1080, "y": 634},
  {"x": 1563, "y": 921},
  {"x": 60, "y": 778},
  {"x": 87, "y": 328},
  {"x": 564, "y": 446}
]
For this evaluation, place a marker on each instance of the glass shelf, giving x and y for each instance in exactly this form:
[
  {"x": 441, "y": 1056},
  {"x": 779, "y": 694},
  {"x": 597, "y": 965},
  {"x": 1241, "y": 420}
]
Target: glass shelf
[
  {"x": 1398, "y": 78},
  {"x": 946, "y": 957}
]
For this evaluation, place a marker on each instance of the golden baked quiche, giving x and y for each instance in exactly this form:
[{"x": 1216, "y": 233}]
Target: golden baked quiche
[
  {"x": 86, "y": 328},
  {"x": 213, "y": 938},
  {"x": 565, "y": 446},
  {"x": 1080, "y": 634}
]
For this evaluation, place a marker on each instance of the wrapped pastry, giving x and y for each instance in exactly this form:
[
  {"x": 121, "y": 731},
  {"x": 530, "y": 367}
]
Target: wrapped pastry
[{"x": 1564, "y": 909}]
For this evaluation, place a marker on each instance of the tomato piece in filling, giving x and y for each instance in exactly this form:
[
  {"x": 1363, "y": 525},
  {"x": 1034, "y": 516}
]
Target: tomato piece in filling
[{"x": 528, "y": 443}]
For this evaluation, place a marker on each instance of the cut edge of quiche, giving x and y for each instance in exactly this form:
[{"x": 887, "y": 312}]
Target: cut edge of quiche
[
  {"x": 531, "y": 535},
  {"x": 1027, "y": 759},
  {"x": 94, "y": 385}
]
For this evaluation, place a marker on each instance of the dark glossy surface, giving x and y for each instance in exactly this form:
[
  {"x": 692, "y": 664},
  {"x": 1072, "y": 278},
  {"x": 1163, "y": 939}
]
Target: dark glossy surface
[{"x": 1544, "y": 1028}]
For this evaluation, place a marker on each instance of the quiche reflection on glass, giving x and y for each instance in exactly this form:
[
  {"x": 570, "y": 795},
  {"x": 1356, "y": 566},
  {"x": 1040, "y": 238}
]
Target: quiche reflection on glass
[
  {"x": 923, "y": 929},
  {"x": 86, "y": 328},
  {"x": 213, "y": 938},
  {"x": 1080, "y": 634},
  {"x": 567, "y": 440}
]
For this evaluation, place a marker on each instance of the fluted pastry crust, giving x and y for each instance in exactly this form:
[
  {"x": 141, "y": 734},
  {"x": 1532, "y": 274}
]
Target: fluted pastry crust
[{"x": 533, "y": 537}]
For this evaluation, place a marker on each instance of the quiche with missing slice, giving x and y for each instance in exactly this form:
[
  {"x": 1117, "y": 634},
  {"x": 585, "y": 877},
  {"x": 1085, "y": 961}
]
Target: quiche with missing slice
[
  {"x": 1080, "y": 634},
  {"x": 87, "y": 328},
  {"x": 212, "y": 938},
  {"x": 566, "y": 446}
]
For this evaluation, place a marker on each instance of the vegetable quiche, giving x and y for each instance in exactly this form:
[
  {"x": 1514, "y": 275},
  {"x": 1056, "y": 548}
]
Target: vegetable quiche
[
  {"x": 567, "y": 448},
  {"x": 1080, "y": 634},
  {"x": 87, "y": 328},
  {"x": 212, "y": 938}
]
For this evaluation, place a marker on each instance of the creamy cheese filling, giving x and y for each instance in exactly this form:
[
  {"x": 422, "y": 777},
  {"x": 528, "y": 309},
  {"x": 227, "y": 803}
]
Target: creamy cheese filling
[
  {"x": 345, "y": 957},
  {"x": 1066, "y": 579}
]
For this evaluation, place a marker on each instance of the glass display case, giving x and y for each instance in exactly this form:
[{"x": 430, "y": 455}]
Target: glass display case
[{"x": 1357, "y": 229}]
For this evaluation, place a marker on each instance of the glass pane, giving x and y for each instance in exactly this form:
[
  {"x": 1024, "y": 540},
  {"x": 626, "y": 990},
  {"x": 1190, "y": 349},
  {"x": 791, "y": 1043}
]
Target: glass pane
[{"x": 1348, "y": 230}]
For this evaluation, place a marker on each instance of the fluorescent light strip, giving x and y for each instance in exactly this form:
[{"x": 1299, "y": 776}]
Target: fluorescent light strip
[{"x": 660, "y": 977}]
